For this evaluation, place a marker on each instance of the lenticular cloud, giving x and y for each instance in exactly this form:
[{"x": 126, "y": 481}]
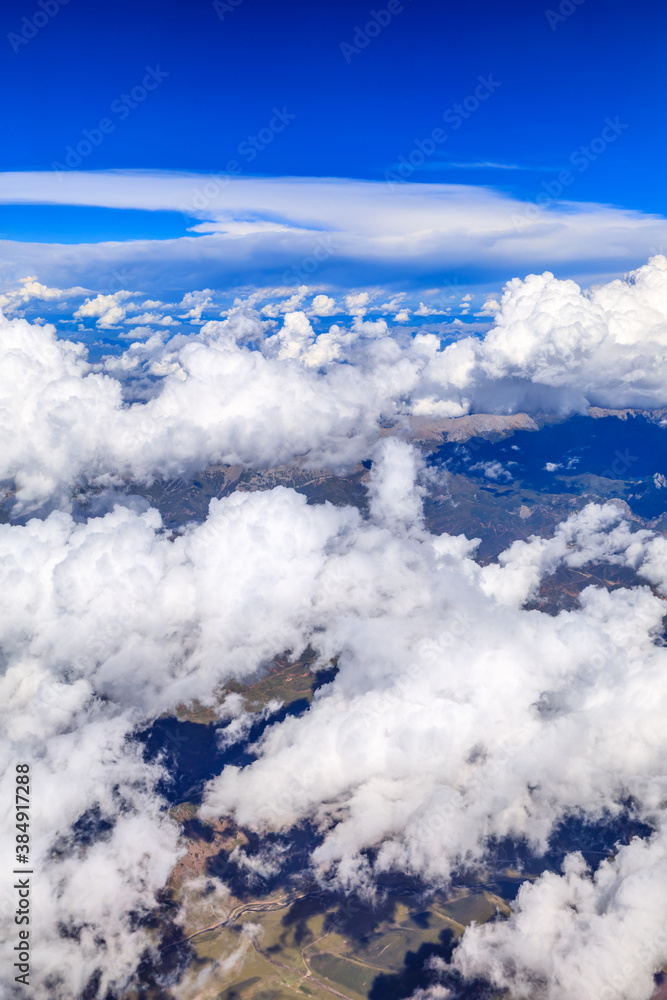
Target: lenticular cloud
[
  {"x": 458, "y": 717},
  {"x": 240, "y": 392}
]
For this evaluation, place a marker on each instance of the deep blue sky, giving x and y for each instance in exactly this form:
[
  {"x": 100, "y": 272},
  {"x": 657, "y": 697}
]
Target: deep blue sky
[{"x": 353, "y": 119}]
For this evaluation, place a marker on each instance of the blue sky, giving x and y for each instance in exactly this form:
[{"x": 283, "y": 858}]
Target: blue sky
[
  {"x": 353, "y": 119},
  {"x": 498, "y": 99}
]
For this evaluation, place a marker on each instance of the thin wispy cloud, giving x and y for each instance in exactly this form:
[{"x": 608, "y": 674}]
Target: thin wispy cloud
[
  {"x": 481, "y": 165},
  {"x": 473, "y": 165},
  {"x": 341, "y": 232}
]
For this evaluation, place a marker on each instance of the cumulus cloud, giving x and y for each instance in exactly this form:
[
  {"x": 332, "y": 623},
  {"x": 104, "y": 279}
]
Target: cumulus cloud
[
  {"x": 458, "y": 716},
  {"x": 104, "y": 625},
  {"x": 99, "y": 841},
  {"x": 248, "y": 391},
  {"x": 295, "y": 337},
  {"x": 579, "y": 934},
  {"x": 555, "y": 348},
  {"x": 597, "y": 344},
  {"x": 357, "y": 303},
  {"x": 107, "y": 309},
  {"x": 438, "y": 736},
  {"x": 323, "y": 305},
  {"x": 490, "y": 308},
  {"x": 195, "y": 303},
  {"x": 72, "y": 423},
  {"x": 394, "y": 304},
  {"x": 273, "y": 309},
  {"x": 31, "y": 288},
  {"x": 402, "y": 683},
  {"x": 425, "y": 310},
  {"x": 435, "y": 735},
  {"x": 155, "y": 318},
  {"x": 493, "y": 470}
]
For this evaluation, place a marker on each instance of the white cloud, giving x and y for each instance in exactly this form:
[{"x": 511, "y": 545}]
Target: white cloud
[
  {"x": 137, "y": 333},
  {"x": 106, "y": 308},
  {"x": 396, "y": 303},
  {"x": 432, "y": 807},
  {"x": 458, "y": 715},
  {"x": 437, "y": 733},
  {"x": 215, "y": 401},
  {"x": 77, "y": 682},
  {"x": 147, "y": 318},
  {"x": 425, "y": 310},
  {"x": 246, "y": 391},
  {"x": 356, "y": 303},
  {"x": 273, "y": 309},
  {"x": 31, "y": 288},
  {"x": 577, "y": 934},
  {"x": 323, "y": 305},
  {"x": 490, "y": 308},
  {"x": 196, "y": 303},
  {"x": 370, "y": 328},
  {"x": 418, "y": 229},
  {"x": 295, "y": 336},
  {"x": 493, "y": 470}
]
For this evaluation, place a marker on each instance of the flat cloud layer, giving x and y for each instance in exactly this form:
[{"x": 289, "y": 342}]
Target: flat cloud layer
[
  {"x": 457, "y": 717},
  {"x": 352, "y": 232}
]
